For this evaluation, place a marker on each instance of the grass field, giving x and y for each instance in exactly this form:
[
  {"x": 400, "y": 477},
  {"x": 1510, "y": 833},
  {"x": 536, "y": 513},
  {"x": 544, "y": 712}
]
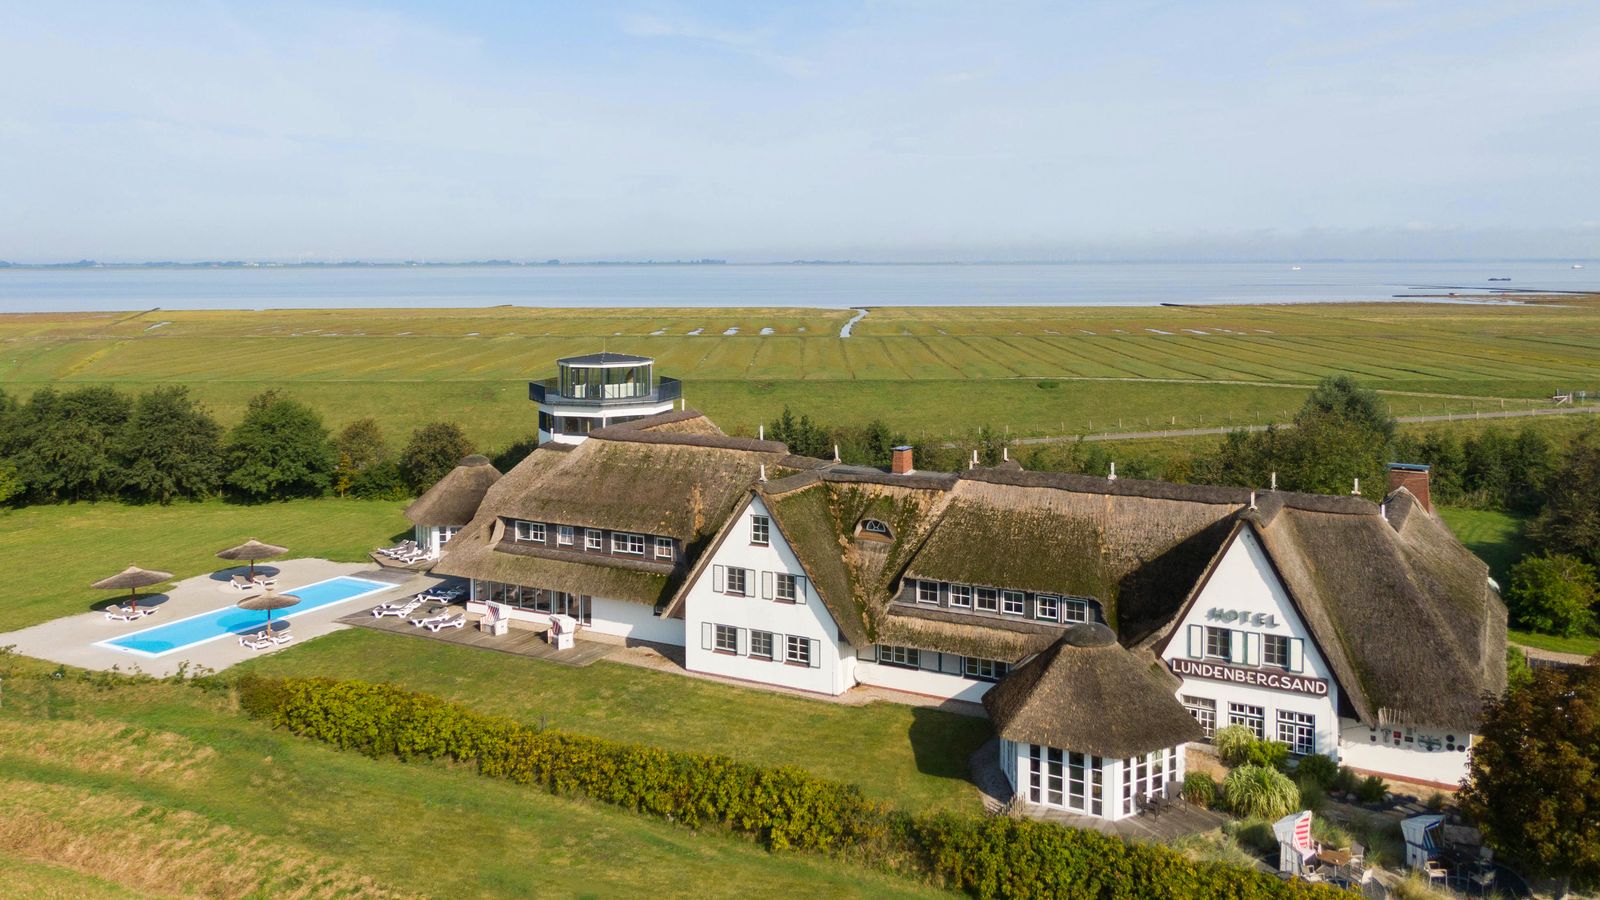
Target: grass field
[
  {"x": 929, "y": 372},
  {"x": 163, "y": 790},
  {"x": 914, "y": 757},
  {"x": 52, "y": 553}
]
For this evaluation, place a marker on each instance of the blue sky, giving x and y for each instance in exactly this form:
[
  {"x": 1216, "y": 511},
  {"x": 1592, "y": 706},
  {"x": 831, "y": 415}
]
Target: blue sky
[{"x": 877, "y": 130}]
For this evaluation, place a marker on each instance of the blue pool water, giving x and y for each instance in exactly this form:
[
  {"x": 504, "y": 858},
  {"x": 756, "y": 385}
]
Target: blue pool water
[{"x": 231, "y": 620}]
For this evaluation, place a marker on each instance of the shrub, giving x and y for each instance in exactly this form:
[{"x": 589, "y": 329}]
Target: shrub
[
  {"x": 1200, "y": 789},
  {"x": 782, "y": 807},
  {"x": 1328, "y": 832},
  {"x": 1255, "y": 834},
  {"x": 1346, "y": 780},
  {"x": 1233, "y": 743},
  {"x": 1312, "y": 795},
  {"x": 1553, "y": 593},
  {"x": 1435, "y": 801},
  {"x": 1260, "y": 792},
  {"x": 1371, "y": 789},
  {"x": 1318, "y": 769}
]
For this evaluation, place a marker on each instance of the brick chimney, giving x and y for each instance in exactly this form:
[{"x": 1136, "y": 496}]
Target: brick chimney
[
  {"x": 901, "y": 461},
  {"x": 1414, "y": 478}
]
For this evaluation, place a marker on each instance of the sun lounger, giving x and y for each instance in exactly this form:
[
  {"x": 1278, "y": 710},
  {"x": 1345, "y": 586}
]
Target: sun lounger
[
  {"x": 121, "y": 614},
  {"x": 412, "y": 557},
  {"x": 430, "y": 616},
  {"x": 255, "y": 640},
  {"x": 459, "y": 620},
  {"x": 404, "y": 548},
  {"x": 264, "y": 580},
  {"x": 401, "y": 608},
  {"x": 445, "y": 596},
  {"x": 243, "y": 583},
  {"x": 281, "y": 635}
]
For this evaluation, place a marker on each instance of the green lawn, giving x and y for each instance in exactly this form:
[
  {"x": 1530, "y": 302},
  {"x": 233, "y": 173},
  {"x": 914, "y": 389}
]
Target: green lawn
[
  {"x": 1033, "y": 370},
  {"x": 51, "y": 554},
  {"x": 160, "y": 788},
  {"x": 914, "y": 757},
  {"x": 1583, "y": 645}
]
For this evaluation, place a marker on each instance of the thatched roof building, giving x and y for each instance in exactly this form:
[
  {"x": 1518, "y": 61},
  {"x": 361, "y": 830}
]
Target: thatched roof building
[
  {"x": 1089, "y": 694},
  {"x": 454, "y": 499},
  {"x": 675, "y": 475}
]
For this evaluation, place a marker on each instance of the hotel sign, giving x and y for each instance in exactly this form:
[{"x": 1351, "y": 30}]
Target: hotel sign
[{"x": 1267, "y": 678}]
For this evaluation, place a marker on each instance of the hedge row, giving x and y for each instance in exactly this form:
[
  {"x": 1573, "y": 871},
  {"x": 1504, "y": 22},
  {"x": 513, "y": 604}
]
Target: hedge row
[{"x": 784, "y": 807}]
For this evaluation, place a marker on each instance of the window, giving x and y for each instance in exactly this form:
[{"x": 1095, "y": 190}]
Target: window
[
  {"x": 564, "y": 535},
  {"x": 928, "y": 592},
  {"x": 1204, "y": 712},
  {"x": 761, "y": 644},
  {"x": 1147, "y": 776},
  {"x": 961, "y": 595},
  {"x": 1047, "y": 607},
  {"x": 1011, "y": 602},
  {"x": 445, "y": 534},
  {"x": 903, "y": 657},
  {"x": 1299, "y": 731},
  {"x": 984, "y": 669},
  {"x": 1074, "y": 610},
  {"x": 738, "y": 581},
  {"x": 663, "y": 548},
  {"x": 760, "y": 530},
  {"x": 786, "y": 587},
  {"x": 592, "y": 539},
  {"x": 631, "y": 544},
  {"x": 1219, "y": 643},
  {"x": 1275, "y": 651},
  {"x": 530, "y": 531},
  {"x": 799, "y": 650},
  {"x": 1071, "y": 780},
  {"x": 726, "y": 639},
  {"x": 988, "y": 600},
  {"x": 1251, "y": 717},
  {"x": 875, "y": 528}
]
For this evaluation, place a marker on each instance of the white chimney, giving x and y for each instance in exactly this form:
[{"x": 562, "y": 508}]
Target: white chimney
[
  {"x": 1252, "y": 499},
  {"x": 1005, "y": 453},
  {"x": 1274, "y": 481},
  {"x": 763, "y": 471},
  {"x": 761, "y": 432},
  {"x": 1113, "y": 475},
  {"x": 836, "y": 453},
  {"x": 1357, "y": 489}
]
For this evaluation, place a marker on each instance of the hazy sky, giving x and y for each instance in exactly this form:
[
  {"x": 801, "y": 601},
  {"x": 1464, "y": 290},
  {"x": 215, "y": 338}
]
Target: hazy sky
[{"x": 881, "y": 130}]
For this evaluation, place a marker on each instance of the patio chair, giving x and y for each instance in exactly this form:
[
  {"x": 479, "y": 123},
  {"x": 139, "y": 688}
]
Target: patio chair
[
  {"x": 258, "y": 640},
  {"x": 243, "y": 583},
  {"x": 459, "y": 620},
  {"x": 122, "y": 614},
  {"x": 430, "y": 616},
  {"x": 1436, "y": 872},
  {"x": 401, "y": 608}
]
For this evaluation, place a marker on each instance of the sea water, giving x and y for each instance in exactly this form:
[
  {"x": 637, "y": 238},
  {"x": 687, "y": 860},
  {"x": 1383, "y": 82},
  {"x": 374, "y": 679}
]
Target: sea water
[{"x": 791, "y": 285}]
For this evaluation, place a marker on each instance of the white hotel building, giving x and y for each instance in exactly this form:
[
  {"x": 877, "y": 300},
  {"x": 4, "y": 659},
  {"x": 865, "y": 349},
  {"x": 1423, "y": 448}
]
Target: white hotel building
[{"x": 1120, "y": 619}]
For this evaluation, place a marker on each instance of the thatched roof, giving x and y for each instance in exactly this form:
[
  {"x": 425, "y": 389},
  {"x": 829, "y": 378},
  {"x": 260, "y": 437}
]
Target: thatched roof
[
  {"x": 130, "y": 578},
  {"x": 454, "y": 499},
  {"x": 252, "y": 550},
  {"x": 674, "y": 475},
  {"x": 1088, "y": 693}
]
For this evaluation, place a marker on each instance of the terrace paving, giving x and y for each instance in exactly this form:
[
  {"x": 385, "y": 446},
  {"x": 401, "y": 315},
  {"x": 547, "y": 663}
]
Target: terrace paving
[
  {"x": 73, "y": 640},
  {"x": 518, "y": 641}
]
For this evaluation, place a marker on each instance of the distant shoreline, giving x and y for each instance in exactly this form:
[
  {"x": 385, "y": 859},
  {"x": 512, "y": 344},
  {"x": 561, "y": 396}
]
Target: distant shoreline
[{"x": 89, "y": 264}]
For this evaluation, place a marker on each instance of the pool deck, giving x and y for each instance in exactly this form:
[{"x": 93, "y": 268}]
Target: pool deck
[{"x": 74, "y": 640}]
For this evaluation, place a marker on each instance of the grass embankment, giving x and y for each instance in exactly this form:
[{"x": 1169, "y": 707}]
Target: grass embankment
[
  {"x": 928, "y": 372},
  {"x": 1497, "y": 537},
  {"x": 161, "y": 789},
  {"x": 915, "y": 757},
  {"x": 52, "y": 553}
]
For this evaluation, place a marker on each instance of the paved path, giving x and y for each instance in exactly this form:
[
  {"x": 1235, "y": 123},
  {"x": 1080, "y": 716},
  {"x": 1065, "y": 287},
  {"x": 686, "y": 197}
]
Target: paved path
[
  {"x": 1554, "y": 658},
  {"x": 1225, "y": 429}
]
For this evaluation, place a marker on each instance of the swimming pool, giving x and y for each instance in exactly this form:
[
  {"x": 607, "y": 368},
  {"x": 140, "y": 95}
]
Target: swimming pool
[{"x": 231, "y": 620}]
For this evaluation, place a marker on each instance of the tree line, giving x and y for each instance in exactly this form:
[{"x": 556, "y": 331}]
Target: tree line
[{"x": 99, "y": 443}]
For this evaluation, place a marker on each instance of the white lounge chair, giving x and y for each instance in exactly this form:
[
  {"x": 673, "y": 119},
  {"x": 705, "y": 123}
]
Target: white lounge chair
[
  {"x": 404, "y": 548},
  {"x": 459, "y": 620},
  {"x": 282, "y": 635},
  {"x": 430, "y": 617},
  {"x": 258, "y": 640},
  {"x": 264, "y": 580},
  {"x": 243, "y": 583},
  {"x": 444, "y": 596},
  {"x": 401, "y": 608},
  {"x": 122, "y": 614},
  {"x": 414, "y": 556}
]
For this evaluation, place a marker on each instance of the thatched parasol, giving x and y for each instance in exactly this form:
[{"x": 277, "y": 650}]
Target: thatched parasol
[
  {"x": 251, "y": 551},
  {"x": 269, "y": 602},
  {"x": 132, "y": 578}
]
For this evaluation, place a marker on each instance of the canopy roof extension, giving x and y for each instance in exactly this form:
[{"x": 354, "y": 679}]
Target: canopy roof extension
[
  {"x": 1089, "y": 694},
  {"x": 454, "y": 499}
]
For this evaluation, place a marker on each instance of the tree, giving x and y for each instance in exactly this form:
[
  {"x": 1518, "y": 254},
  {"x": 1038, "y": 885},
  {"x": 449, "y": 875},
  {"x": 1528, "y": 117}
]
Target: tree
[
  {"x": 280, "y": 449},
  {"x": 802, "y": 437},
  {"x": 171, "y": 447},
  {"x": 508, "y": 458},
  {"x": 61, "y": 443},
  {"x": 1533, "y": 780},
  {"x": 11, "y": 485},
  {"x": 1553, "y": 593},
  {"x": 1343, "y": 432},
  {"x": 433, "y": 451},
  {"x": 359, "y": 447},
  {"x": 1570, "y": 521}
]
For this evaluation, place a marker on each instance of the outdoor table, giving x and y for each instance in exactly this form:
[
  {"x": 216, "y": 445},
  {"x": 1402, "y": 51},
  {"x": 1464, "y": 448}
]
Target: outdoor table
[{"x": 1336, "y": 858}]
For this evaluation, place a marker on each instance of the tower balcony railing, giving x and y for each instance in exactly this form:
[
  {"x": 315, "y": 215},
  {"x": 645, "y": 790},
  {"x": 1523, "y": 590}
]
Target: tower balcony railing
[{"x": 548, "y": 390}]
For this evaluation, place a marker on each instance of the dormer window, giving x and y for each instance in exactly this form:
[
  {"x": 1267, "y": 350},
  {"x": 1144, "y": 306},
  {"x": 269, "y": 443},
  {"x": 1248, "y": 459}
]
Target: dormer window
[
  {"x": 874, "y": 529},
  {"x": 530, "y": 531},
  {"x": 631, "y": 544}
]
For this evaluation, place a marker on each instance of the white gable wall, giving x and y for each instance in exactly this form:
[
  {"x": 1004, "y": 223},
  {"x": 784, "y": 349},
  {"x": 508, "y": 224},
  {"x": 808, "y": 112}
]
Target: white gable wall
[
  {"x": 1245, "y": 585},
  {"x": 708, "y": 603}
]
